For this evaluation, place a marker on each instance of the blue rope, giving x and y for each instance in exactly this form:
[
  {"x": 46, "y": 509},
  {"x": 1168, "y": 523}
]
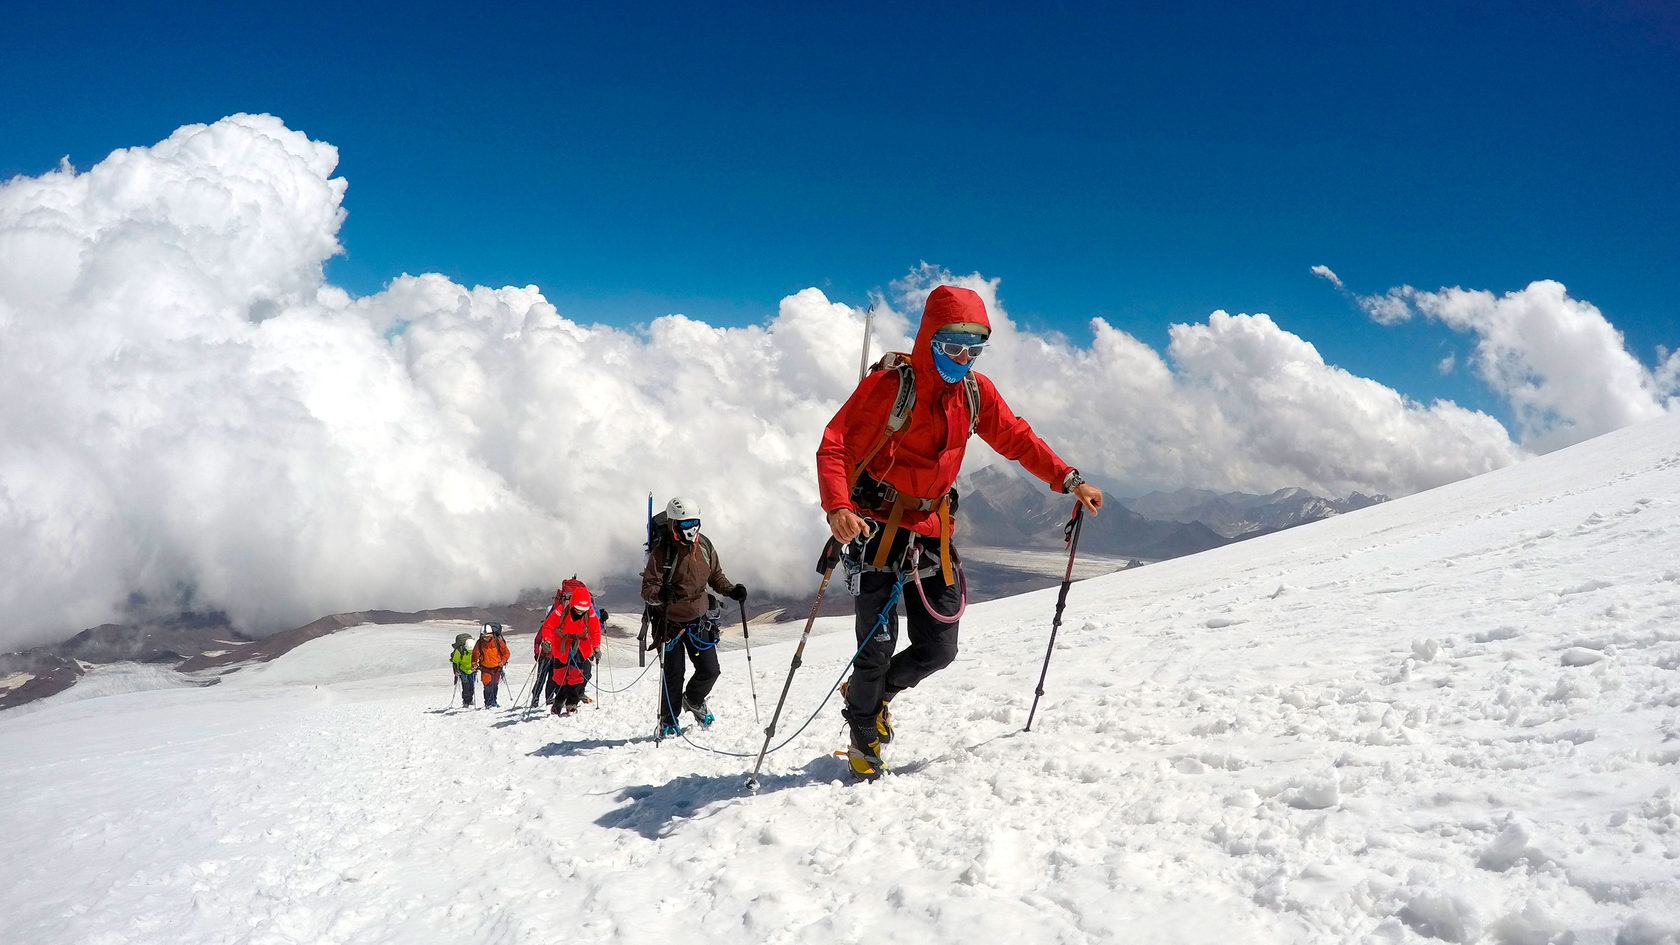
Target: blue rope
[
  {"x": 633, "y": 682},
  {"x": 880, "y": 622}
]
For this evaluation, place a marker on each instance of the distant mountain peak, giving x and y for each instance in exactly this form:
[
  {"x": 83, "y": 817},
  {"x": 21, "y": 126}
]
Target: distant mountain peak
[{"x": 1003, "y": 505}]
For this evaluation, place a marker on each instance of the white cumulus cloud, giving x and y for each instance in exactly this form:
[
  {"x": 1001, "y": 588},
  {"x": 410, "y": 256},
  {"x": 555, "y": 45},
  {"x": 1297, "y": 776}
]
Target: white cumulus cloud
[
  {"x": 1558, "y": 361},
  {"x": 191, "y": 414}
]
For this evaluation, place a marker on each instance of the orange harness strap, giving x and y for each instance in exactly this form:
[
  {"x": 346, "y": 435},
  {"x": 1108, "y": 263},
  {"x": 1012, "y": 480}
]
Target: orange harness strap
[
  {"x": 887, "y": 533},
  {"x": 888, "y": 530},
  {"x": 945, "y": 541}
]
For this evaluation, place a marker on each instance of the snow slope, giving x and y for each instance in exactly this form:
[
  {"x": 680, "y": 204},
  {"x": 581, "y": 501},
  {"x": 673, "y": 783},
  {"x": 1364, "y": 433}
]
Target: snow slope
[{"x": 1451, "y": 717}]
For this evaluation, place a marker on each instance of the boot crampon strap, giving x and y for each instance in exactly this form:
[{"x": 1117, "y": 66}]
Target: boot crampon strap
[{"x": 864, "y": 759}]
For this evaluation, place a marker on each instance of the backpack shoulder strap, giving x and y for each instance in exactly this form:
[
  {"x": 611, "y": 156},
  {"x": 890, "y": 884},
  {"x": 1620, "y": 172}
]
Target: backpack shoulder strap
[
  {"x": 906, "y": 399},
  {"x": 903, "y": 402},
  {"x": 971, "y": 387}
]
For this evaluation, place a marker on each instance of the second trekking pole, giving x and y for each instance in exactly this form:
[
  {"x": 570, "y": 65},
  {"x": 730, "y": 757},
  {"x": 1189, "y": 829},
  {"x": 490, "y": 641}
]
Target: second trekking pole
[
  {"x": 1071, "y": 533},
  {"x": 748, "y": 640},
  {"x": 826, "y": 564},
  {"x": 519, "y": 699}
]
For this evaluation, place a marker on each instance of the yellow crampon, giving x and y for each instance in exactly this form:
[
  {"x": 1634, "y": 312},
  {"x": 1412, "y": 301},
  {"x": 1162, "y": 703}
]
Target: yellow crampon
[{"x": 865, "y": 761}]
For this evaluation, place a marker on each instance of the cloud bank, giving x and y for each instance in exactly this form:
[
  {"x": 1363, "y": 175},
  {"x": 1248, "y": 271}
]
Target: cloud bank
[
  {"x": 1558, "y": 361},
  {"x": 191, "y": 415}
]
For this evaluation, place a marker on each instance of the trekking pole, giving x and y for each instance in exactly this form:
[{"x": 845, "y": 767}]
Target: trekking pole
[
  {"x": 642, "y": 637},
  {"x": 599, "y": 658},
  {"x": 1071, "y": 536},
  {"x": 601, "y": 662},
  {"x": 826, "y": 564},
  {"x": 520, "y": 698},
  {"x": 664, "y": 697},
  {"x": 748, "y": 639}
]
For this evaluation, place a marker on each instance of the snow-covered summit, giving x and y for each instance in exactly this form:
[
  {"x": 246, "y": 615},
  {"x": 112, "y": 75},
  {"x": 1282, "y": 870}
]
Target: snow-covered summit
[{"x": 1455, "y": 717}]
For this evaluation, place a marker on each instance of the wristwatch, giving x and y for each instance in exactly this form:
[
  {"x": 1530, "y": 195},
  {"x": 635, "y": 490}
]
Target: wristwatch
[{"x": 1072, "y": 481}]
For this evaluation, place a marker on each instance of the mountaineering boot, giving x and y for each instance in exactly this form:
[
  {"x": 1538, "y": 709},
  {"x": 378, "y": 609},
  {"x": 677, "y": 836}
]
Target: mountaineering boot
[
  {"x": 667, "y": 730},
  {"x": 865, "y": 760},
  {"x": 702, "y": 714},
  {"x": 883, "y": 716}
]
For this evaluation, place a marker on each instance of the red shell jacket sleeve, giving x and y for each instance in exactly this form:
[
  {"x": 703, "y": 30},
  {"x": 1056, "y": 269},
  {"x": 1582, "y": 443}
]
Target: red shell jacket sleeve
[{"x": 1014, "y": 439}]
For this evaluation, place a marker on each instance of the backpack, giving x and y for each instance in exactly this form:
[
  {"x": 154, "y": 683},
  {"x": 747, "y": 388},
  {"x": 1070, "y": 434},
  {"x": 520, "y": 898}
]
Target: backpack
[{"x": 570, "y": 640}]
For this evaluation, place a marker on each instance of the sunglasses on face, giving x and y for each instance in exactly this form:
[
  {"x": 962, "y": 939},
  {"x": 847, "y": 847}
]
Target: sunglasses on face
[
  {"x": 688, "y": 523},
  {"x": 955, "y": 349},
  {"x": 579, "y": 611}
]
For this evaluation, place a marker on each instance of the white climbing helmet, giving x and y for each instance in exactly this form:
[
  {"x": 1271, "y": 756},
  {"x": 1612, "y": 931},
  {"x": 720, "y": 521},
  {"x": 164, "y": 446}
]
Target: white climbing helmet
[{"x": 684, "y": 515}]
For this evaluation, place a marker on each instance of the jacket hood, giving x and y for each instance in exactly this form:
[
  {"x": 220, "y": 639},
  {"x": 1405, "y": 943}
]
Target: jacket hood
[
  {"x": 946, "y": 305},
  {"x": 580, "y": 597}
]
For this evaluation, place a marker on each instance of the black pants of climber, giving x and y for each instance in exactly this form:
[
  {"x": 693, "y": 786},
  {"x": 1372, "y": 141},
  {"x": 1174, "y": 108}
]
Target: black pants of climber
[
  {"x": 568, "y": 695},
  {"x": 545, "y": 682},
  {"x": 879, "y": 673},
  {"x": 676, "y": 667},
  {"x": 548, "y": 688}
]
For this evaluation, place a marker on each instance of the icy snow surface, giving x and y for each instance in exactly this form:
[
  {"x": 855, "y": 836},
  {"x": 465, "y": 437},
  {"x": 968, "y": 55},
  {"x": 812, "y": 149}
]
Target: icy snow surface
[{"x": 1452, "y": 717}]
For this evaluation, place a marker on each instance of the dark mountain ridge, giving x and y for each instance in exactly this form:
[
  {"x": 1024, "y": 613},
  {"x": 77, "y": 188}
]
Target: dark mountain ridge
[
  {"x": 1000, "y": 507},
  {"x": 1003, "y": 507}
]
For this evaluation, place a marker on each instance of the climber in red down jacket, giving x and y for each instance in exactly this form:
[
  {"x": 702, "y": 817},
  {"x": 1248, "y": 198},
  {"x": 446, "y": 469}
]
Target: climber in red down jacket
[{"x": 573, "y": 635}]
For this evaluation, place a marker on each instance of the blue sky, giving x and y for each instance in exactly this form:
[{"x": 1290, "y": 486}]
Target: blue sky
[
  {"x": 1144, "y": 165},
  {"x": 184, "y": 412}
]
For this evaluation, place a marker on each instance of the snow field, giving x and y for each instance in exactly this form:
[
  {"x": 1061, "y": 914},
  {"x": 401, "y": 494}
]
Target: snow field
[{"x": 1454, "y": 717}]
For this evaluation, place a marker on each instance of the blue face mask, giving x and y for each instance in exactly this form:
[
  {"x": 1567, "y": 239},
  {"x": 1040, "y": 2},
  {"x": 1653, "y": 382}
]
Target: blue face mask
[{"x": 968, "y": 345}]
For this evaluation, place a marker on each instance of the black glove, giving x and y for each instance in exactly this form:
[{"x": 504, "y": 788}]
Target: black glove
[
  {"x": 738, "y": 592},
  {"x": 603, "y": 615}
]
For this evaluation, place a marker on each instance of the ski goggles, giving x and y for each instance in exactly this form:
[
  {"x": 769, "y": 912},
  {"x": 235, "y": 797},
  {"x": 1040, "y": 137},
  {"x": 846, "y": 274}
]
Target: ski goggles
[
  {"x": 956, "y": 345},
  {"x": 688, "y": 523}
]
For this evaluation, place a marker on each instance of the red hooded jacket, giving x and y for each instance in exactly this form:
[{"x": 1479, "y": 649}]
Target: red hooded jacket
[
  {"x": 560, "y": 629},
  {"x": 924, "y": 457}
]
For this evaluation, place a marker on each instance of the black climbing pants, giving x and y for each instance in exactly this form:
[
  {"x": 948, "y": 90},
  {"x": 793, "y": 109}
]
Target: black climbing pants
[{"x": 879, "y": 673}]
